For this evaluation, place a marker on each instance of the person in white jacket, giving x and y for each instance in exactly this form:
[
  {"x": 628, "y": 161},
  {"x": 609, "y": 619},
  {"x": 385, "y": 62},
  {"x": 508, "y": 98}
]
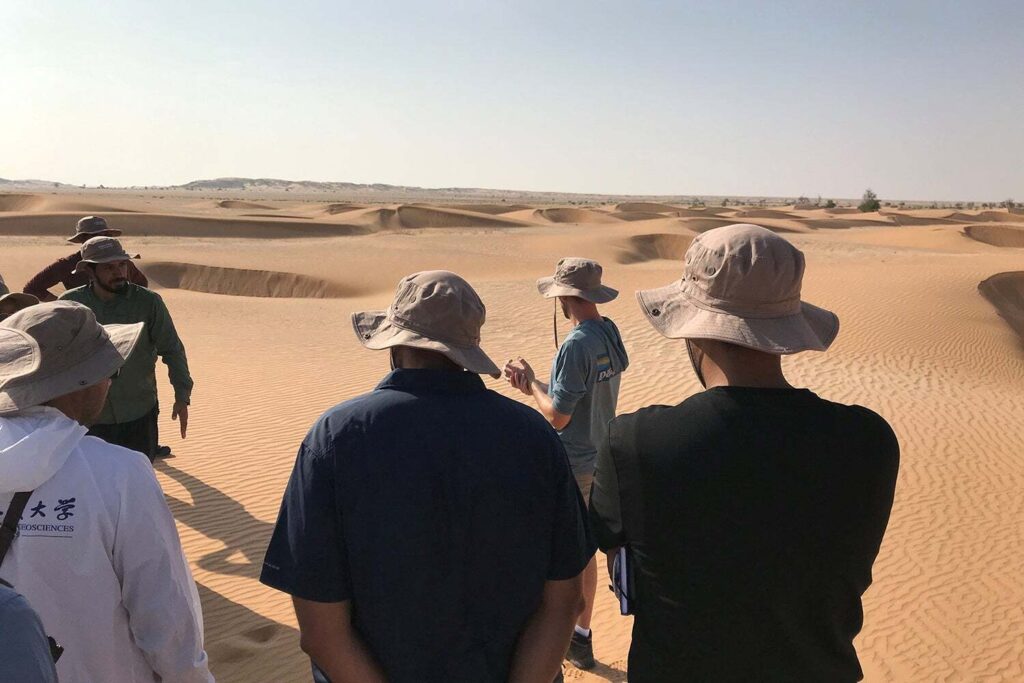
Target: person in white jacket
[{"x": 97, "y": 553}]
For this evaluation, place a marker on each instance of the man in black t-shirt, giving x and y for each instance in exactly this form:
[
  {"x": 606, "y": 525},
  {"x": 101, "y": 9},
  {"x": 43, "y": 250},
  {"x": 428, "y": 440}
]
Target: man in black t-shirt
[
  {"x": 431, "y": 530},
  {"x": 753, "y": 511}
]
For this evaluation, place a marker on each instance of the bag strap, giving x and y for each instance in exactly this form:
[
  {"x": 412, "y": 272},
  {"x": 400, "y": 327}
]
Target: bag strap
[{"x": 9, "y": 528}]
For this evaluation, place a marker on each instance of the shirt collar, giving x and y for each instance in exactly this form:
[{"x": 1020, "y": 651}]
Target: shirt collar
[{"x": 432, "y": 381}]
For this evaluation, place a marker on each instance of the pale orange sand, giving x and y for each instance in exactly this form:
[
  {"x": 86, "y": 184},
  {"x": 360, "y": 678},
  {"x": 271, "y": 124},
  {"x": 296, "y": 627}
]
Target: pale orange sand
[{"x": 918, "y": 343}]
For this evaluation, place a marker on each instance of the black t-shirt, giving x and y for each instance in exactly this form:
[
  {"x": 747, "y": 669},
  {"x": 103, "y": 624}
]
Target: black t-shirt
[
  {"x": 754, "y": 516},
  {"x": 439, "y": 509}
]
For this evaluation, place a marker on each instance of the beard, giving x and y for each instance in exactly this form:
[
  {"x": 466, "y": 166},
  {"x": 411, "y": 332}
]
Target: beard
[{"x": 115, "y": 287}]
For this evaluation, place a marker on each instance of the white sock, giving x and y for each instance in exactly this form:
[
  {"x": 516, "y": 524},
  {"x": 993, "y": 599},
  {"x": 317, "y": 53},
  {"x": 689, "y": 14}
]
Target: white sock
[{"x": 585, "y": 632}]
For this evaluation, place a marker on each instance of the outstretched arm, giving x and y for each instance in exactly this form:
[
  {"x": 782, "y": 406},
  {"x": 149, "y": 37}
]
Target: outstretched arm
[{"x": 523, "y": 377}]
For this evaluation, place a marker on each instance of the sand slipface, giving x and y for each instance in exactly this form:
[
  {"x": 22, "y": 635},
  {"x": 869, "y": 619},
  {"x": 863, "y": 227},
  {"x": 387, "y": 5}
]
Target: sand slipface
[{"x": 263, "y": 306}]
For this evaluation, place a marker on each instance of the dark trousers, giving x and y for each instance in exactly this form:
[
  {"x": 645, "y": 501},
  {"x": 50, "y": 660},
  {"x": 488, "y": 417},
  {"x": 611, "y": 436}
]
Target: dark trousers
[{"x": 139, "y": 435}]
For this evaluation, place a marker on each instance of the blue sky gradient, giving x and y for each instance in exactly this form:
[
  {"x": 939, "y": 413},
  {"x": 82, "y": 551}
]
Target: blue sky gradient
[{"x": 918, "y": 100}]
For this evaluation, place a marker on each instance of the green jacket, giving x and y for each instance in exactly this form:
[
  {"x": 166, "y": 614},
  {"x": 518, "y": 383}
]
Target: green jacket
[{"x": 133, "y": 393}]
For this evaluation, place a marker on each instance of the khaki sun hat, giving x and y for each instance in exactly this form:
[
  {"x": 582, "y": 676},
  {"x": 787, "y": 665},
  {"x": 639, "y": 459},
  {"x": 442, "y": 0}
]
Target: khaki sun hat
[
  {"x": 103, "y": 250},
  {"x": 14, "y": 302},
  {"x": 577, "y": 277},
  {"x": 92, "y": 226},
  {"x": 57, "y": 348},
  {"x": 741, "y": 284},
  {"x": 434, "y": 310}
]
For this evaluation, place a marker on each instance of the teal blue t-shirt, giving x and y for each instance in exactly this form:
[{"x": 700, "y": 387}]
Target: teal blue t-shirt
[{"x": 584, "y": 383}]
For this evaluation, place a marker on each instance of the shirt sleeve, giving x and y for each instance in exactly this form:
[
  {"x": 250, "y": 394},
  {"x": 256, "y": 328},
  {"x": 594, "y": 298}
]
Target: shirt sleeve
[
  {"x": 157, "y": 588},
  {"x": 605, "y": 501},
  {"x": 26, "y": 652},
  {"x": 307, "y": 554},
  {"x": 171, "y": 350},
  {"x": 137, "y": 276},
  {"x": 50, "y": 276},
  {"x": 570, "y": 376},
  {"x": 572, "y": 544}
]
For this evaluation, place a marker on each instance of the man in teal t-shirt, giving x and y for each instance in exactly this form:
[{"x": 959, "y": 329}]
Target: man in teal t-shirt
[{"x": 580, "y": 399}]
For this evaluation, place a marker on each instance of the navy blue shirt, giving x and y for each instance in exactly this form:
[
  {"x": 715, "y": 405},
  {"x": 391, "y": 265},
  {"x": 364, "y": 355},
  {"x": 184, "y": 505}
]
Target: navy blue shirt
[{"x": 439, "y": 508}]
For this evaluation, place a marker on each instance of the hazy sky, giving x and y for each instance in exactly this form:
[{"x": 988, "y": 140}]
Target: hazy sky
[{"x": 915, "y": 99}]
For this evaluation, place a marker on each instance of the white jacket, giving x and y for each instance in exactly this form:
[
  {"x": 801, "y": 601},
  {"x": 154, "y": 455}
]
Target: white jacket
[{"x": 98, "y": 555}]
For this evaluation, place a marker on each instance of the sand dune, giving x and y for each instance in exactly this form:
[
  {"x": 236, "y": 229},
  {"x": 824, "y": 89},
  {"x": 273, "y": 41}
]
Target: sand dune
[
  {"x": 415, "y": 216},
  {"x": 250, "y": 206},
  {"x": 646, "y": 207},
  {"x": 492, "y": 209},
  {"x": 1006, "y": 292},
  {"x": 573, "y": 215},
  {"x": 997, "y": 235},
  {"x": 905, "y": 219},
  {"x": 643, "y": 248},
  {"x": 343, "y": 207},
  {"x": 54, "y": 204},
  {"x": 146, "y": 225},
  {"x": 988, "y": 217},
  {"x": 765, "y": 213},
  {"x": 243, "y": 282},
  {"x": 637, "y": 215}
]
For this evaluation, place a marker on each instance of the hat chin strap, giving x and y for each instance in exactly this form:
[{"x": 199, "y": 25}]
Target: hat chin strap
[
  {"x": 554, "y": 321},
  {"x": 695, "y": 364}
]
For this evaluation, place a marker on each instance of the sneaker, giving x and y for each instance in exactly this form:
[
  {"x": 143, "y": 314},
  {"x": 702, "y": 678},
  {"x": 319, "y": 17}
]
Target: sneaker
[
  {"x": 581, "y": 651},
  {"x": 162, "y": 452}
]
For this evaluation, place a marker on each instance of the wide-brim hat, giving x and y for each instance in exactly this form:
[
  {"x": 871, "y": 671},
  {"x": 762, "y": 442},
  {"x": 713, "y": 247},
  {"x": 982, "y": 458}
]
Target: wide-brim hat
[
  {"x": 433, "y": 310},
  {"x": 741, "y": 285},
  {"x": 102, "y": 249},
  {"x": 57, "y": 348},
  {"x": 578, "y": 277},
  {"x": 92, "y": 226}
]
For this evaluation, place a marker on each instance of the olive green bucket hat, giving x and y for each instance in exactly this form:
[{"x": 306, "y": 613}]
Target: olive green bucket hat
[
  {"x": 741, "y": 284},
  {"x": 434, "y": 310}
]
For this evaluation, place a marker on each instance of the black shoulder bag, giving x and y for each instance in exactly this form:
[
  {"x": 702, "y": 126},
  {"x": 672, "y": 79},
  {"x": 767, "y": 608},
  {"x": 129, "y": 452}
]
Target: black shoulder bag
[{"x": 8, "y": 532}]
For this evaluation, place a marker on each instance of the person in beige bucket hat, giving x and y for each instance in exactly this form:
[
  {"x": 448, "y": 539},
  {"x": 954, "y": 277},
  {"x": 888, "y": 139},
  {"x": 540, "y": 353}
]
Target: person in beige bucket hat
[
  {"x": 431, "y": 507},
  {"x": 751, "y": 512},
  {"x": 435, "y": 311},
  {"x": 581, "y": 396},
  {"x": 64, "y": 271},
  {"x": 13, "y": 302},
  {"x": 96, "y": 552}
]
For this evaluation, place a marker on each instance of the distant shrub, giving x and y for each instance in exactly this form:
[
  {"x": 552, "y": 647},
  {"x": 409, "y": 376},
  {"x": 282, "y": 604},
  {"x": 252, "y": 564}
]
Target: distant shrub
[
  {"x": 869, "y": 202},
  {"x": 1008, "y": 204},
  {"x": 830, "y": 204}
]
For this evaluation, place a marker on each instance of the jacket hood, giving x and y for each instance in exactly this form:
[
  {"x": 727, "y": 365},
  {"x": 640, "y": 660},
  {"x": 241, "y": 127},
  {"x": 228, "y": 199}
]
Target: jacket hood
[
  {"x": 34, "y": 444},
  {"x": 616, "y": 349}
]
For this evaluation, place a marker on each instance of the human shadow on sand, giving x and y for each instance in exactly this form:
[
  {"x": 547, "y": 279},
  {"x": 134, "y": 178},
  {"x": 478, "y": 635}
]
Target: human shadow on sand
[
  {"x": 246, "y": 646},
  {"x": 216, "y": 515}
]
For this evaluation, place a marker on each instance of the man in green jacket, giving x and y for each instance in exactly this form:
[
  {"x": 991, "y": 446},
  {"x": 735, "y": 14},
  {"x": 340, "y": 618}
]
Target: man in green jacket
[{"x": 129, "y": 417}]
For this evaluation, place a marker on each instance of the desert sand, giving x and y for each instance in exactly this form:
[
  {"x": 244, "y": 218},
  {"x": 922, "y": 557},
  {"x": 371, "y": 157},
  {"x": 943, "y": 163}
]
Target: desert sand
[{"x": 932, "y": 310}]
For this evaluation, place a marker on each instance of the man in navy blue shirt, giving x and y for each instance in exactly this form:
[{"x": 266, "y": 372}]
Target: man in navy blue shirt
[{"x": 431, "y": 529}]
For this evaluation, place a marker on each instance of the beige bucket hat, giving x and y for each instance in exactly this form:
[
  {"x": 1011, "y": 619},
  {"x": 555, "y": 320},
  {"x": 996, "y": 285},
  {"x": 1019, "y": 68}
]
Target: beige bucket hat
[
  {"x": 741, "y": 284},
  {"x": 92, "y": 226},
  {"x": 434, "y": 310},
  {"x": 103, "y": 250},
  {"x": 15, "y": 301},
  {"x": 577, "y": 277},
  {"x": 56, "y": 348}
]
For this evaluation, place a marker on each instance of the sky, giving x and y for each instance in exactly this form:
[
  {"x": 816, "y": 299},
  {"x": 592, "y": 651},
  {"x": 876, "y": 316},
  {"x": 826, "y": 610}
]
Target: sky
[{"x": 915, "y": 99}]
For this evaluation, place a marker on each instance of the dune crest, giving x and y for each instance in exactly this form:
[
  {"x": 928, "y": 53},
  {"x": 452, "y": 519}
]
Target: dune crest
[
  {"x": 1006, "y": 292},
  {"x": 643, "y": 248},
  {"x": 997, "y": 235},
  {"x": 250, "y": 206},
  {"x": 243, "y": 282},
  {"x": 573, "y": 215},
  {"x": 414, "y": 216}
]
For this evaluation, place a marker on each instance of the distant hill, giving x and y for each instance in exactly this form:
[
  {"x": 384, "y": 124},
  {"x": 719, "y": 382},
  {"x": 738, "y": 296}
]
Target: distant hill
[{"x": 29, "y": 184}]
